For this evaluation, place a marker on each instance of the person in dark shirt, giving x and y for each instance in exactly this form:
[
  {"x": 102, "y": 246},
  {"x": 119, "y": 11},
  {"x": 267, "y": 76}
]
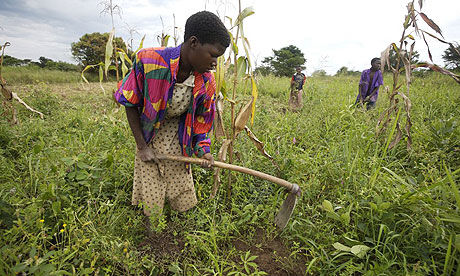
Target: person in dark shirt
[
  {"x": 369, "y": 84},
  {"x": 297, "y": 82}
]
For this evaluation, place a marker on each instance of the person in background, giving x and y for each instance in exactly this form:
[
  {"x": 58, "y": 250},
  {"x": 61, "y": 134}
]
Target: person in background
[
  {"x": 169, "y": 96},
  {"x": 371, "y": 80},
  {"x": 297, "y": 82}
]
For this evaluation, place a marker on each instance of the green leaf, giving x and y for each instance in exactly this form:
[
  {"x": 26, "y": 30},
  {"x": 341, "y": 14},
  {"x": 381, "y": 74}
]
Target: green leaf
[
  {"x": 124, "y": 68},
  {"x": 242, "y": 66},
  {"x": 360, "y": 250},
  {"x": 243, "y": 14},
  {"x": 109, "y": 51},
  {"x": 457, "y": 242},
  {"x": 327, "y": 206},
  {"x": 341, "y": 247},
  {"x": 234, "y": 46},
  {"x": 141, "y": 45}
]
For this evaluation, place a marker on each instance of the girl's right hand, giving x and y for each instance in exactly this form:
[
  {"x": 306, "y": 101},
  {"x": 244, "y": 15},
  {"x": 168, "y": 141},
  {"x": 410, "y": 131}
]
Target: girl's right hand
[{"x": 148, "y": 155}]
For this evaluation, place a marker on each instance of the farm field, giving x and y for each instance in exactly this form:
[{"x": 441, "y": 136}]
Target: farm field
[{"x": 66, "y": 181}]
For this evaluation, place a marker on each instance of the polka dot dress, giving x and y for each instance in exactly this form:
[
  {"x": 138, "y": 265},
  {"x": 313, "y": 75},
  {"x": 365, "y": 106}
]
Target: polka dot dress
[{"x": 153, "y": 183}]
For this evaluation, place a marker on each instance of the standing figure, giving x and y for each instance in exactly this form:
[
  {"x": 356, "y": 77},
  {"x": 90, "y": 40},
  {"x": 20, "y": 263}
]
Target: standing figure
[
  {"x": 297, "y": 82},
  {"x": 369, "y": 84},
  {"x": 169, "y": 96}
]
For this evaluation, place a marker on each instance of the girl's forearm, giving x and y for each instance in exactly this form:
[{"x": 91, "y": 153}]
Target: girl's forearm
[{"x": 132, "y": 114}]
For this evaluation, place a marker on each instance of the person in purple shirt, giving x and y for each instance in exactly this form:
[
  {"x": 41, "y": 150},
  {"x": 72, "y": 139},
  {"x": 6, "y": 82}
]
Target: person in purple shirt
[{"x": 369, "y": 84}]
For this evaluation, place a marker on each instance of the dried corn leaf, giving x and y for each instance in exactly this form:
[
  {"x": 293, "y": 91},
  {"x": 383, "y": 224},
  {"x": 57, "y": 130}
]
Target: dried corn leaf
[
  {"x": 431, "y": 23},
  {"x": 385, "y": 58},
  {"x": 243, "y": 117},
  {"x": 16, "y": 97},
  {"x": 219, "y": 129},
  {"x": 259, "y": 145},
  {"x": 221, "y": 156},
  {"x": 397, "y": 137},
  {"x": 438, "y": 69}
]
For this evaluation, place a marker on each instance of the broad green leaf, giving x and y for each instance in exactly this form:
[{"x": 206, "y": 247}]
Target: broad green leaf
[
  {"x": 242, "y": 66},
  {"x": 87, "y": 68},
  {"x": 219, "y": 75},
  {"x": 101, "y": 74},
  {"x": 457, "y": 241},
  {"x": 243, "y": 14},
  {"x": 109, "y": 51},
  {"x": 141, "y": 45},
  {"x": 345, "y": 217},
  {"x": 327, "y": 206},
  {"x": 234, "y": 46},
  {"x": 341, "y": 247},
  {"x": 165, "y": 40},
  {"x": 360, "y": 250},
  {"x": 124, "y": 69},
  {"x": 125, "y": 56}
]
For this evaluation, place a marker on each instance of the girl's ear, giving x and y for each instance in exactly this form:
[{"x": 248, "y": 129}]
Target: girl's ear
[{"x": 193, "y": 41}]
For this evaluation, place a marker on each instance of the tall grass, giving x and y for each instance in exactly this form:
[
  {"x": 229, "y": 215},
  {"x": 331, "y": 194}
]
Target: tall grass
[
  {"x": 66, "y": 184},
  {"x": 34, "y": 74}
]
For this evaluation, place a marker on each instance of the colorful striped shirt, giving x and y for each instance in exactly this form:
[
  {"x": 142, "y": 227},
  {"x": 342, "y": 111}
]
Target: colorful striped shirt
[{"x": 149, "y": 86}]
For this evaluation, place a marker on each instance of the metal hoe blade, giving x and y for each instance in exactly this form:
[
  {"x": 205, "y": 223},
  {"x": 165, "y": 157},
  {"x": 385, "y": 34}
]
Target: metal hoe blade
[{"x": 283, "y": 216}]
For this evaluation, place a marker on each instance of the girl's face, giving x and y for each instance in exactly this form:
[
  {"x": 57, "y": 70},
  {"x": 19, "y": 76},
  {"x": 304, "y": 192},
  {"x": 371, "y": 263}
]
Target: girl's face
[{"x": 203, "y": 57}]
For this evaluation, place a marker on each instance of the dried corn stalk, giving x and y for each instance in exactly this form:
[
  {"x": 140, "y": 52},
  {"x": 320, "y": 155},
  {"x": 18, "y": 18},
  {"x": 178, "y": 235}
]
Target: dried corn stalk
[{"x": 8, "y": 96}]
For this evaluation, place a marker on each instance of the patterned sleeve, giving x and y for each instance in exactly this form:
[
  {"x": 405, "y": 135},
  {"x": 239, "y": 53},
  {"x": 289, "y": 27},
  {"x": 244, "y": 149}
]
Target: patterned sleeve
[
  {"x": 131, "y": 89},
  {"x": 204, "y": 119}
]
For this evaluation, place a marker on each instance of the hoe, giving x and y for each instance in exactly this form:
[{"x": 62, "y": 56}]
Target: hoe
[{"x": 289, "y": 203}]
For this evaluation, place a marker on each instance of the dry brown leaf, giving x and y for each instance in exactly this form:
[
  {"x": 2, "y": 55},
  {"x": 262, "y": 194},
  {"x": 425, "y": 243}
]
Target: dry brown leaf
[
  {"x": 431, "y": 23},
  {"x": 438, "y": 69},
  {"x": 243, "y": 117},
  {"x": 259, "y": 145},
  {"x": 385, "y": 58},
  {"x": 221, "y": 156},
  {"x": 219, "y": 129},
  {"x": 15, "y": 96},
  {"x": 397, "y": 137}
]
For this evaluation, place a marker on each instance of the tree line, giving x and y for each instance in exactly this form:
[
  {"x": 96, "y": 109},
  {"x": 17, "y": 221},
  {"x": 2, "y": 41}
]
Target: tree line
[{"x": 90, "y": 49}]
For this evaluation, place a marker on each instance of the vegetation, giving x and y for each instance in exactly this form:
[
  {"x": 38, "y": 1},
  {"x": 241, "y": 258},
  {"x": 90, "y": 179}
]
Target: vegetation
[
  {"x": 43, "y": 62},
  {"x": 66, "y": 189},
  {"x": 90, "y": 48},
  {"x": 452, "y": 56},
  {"x": 283, "y": 62}
]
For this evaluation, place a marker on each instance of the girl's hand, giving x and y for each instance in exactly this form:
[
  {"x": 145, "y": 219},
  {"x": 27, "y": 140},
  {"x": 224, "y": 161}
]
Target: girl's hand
[
  {"x": 147, "y": 154},
  {"x": 209, "y": 162}
]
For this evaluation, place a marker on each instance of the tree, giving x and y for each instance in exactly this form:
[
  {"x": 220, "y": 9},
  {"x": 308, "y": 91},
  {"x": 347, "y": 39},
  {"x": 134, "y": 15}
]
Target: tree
[
  {"x": 284, "y": 61},
  {"x": 319, "y": 73},
  {"x": 451, "y": 56},
  {"x": 343, "y": 71},
  {"x": 90, "y": 49}
]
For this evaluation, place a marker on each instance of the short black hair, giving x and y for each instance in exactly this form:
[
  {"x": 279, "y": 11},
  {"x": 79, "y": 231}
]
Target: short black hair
[
  {"x": 374, "y": 59},
  {"x": 207, "y": 27}
]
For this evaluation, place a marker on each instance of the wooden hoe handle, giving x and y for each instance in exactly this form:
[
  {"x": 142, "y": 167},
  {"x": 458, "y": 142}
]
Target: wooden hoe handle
[{"x": 288, "y": 185}]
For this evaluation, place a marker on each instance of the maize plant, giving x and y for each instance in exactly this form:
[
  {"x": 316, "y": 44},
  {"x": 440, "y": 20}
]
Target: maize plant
[
  {"x": 404, "y": 53},
  {"x": 242, "y": 72}
]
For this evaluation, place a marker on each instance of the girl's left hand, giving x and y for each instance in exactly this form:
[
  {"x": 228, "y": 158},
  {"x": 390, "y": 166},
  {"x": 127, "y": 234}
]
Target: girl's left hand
[{"x": 209, "y": 162}]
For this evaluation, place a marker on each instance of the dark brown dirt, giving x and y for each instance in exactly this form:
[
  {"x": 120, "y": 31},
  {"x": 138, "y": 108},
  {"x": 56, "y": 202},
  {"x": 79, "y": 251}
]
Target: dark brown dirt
[{"x": 273, "y": 256}]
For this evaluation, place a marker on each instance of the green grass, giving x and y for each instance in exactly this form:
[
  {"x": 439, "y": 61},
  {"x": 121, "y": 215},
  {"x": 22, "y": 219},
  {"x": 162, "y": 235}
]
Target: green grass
[
  {"x": 34, "y": 75},
  {"x": 361, "y": 211}
]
